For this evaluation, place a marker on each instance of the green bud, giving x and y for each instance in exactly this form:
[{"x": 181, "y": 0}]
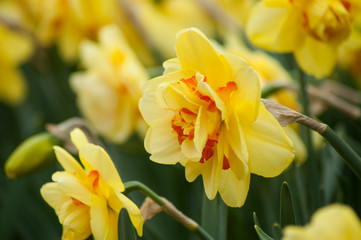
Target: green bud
[{"x": 34, "y": 154}]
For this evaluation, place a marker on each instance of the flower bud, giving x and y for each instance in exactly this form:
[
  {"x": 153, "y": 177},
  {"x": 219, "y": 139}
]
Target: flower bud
[{"x": 32, "y": 155}]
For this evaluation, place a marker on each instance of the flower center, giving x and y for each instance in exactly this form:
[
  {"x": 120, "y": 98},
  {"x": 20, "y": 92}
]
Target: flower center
[{"x": 184, "y": 120}]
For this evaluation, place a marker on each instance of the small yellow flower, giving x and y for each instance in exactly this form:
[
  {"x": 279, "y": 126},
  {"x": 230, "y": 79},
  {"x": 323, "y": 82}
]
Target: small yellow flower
[
  {"x": 334, "y": 222},
  {"x": 15, "y": 48},
  {"x": 205, "y": 113},
  {"x": 109, "y": 90},
  {"x": 312, "y": 30},
  {"x": 88, "y": 200}
]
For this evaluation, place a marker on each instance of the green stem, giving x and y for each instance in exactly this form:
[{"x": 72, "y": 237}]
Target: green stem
[
  {"x": 177, "y": 215},
  {"x": 307, "y": 137},
  {"x": 347, "y": 153}
]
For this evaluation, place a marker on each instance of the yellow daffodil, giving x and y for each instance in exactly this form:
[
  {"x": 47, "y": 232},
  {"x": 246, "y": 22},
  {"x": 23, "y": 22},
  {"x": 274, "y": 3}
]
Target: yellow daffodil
[
  {"x": 312, "y": 30},
  {"x": 270, "y": 71},
  {"x": 67, "y": 22},
  {"x": 334, "y": 222},
  {"x": 88, "y": 200},
  {"x": 15, "y": 49},
  {"x": 205, "y": 113},
  {"x": 164, "y": 19},
  {"x": 238, "y": 9},
  {"x": 109, "y": 90}
]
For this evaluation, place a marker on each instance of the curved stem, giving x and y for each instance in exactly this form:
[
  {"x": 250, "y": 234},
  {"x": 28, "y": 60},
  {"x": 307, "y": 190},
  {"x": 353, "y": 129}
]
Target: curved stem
[{"x": 168, "y": 208}]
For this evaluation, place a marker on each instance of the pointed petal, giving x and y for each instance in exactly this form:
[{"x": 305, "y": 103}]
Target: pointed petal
[
  {"x": 95, "y": 158},
  {"x": 78, "y": 138},
  {"x": 277, "y": 149},
  {"x": 68, "y": 162},
  {"x": 70, "y": 185},
  {"x": 196, "y": 53},
  {"x": 316, "y": 58},
  {"x": 134, "y": 213},
  {"x": 78, "y": 220}
]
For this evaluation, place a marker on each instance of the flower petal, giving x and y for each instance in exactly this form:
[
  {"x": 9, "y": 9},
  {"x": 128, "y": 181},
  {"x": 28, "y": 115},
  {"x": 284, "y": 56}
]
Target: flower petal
[
  {"x": 277, "y": 149},
  {"x": 95, "y": 158},
  {"x": 133, "y": 211},
  {"x": 72, "y": 186},
  {"x": 245, "y": 100},
  {"x": 171, "y": 65},
  {"x": 316, "y": 58},
  {"x": 68, "y": 162},
  {"x": 149, "y": 104},
  {"x": 53, "y": 195},
  {"x": 162, "y": 142},
  {"x": 275, "y": 29},
  {"x": 78, "y": 138},
  {"x": 233, "y": 191},
  {"x": 99, "y": 218},
  {"x": 196, "y": 53}
]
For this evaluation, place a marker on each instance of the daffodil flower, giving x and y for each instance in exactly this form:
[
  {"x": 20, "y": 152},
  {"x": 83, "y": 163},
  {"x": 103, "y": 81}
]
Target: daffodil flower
[
  {"x": 312, "y": 30},
  {"x": 205, "y": 113},
  {"x": 109, "y": 89},
  {"x": 334, "y": 222},
  {"x": 88, "y": 200}
]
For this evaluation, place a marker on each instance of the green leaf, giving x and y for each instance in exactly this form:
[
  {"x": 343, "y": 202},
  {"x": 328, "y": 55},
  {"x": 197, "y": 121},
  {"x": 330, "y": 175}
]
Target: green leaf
[
  {"x": 287, "y": 215},
  {"x": 214, "y": 217},
  {"x": 262, "y": 235},
  {"x": 126, "y": 229}
]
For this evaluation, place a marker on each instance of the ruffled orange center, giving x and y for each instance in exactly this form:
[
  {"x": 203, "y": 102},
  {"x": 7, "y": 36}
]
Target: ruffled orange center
[{"x": 184, "y": 120}]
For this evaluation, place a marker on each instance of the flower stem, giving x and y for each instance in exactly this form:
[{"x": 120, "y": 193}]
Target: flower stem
[
  {"x": 168, "y": 208},
  {"x": 307, "y": 137}
]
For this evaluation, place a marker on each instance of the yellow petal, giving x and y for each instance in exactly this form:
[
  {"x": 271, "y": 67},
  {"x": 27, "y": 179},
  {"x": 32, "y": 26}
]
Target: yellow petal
[
  {"x": 276, "y": 29},
  {"x": 72, "y": 186},
  {"x": 149, "y": 104},
  {"x": 95, "y": 158},
  {"x": 316, "y": 58},
  {"x": 277, "y": 3},
  {"x": 78, "y": 138},
  {"x": 78, "y": 220},
  {"x": 53, "y": 195},
  {"x": 196, "y": 53},
  {"x": 99, "y": 218},
  {"x": 245, "y": 100},
  {"x": 233, "y": 190},
  {"x": 200, "y": 129},
  {"x": 171, "y": 65},
  {"x": 333, "y": 222},
  {"x": 277, "y": 149},
  {"x": 68, "y": 162},
  {"x": 190, "y": 151},
  {"x": 134, "y": 213},
  {"x": 162, "y": 142}
]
